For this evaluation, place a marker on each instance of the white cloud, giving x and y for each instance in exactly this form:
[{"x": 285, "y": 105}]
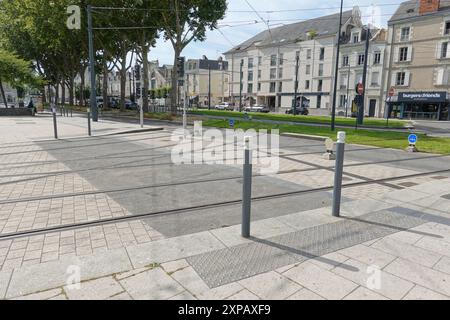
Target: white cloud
[{"x": 239, "y": 14}]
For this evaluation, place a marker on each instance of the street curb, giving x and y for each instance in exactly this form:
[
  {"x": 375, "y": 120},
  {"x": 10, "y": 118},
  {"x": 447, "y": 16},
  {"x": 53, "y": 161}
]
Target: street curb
[
  {"x": 303, "y": 136},
  {"x": 132, "y": 131}
]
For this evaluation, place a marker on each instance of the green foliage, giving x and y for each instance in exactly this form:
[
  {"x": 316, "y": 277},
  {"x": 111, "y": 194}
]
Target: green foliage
[{"x": 15, "y": 71}]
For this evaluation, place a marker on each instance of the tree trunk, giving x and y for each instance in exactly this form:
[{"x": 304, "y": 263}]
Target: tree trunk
[
  {"x": 105, "y": 84},
  {"x": 145, "y": 50},
  {"x": 123, "y": 79},
  {"x": 56, "y": 93},
  {"x": 44, "y": 96},
  {"x": 82, "y": 101},
  {"x": 174, "y": 90},
  {"x": 63, "y": 92},
  {"x": 3, "y": 93},
  {"x": 71, "y": 89}
]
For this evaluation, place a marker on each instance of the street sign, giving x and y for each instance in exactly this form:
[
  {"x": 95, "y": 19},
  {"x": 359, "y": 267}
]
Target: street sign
[
  {"x": 360, "y": 88},
  {"x": 391, "y": 92},
  {"x": 231, "y": 123},
  {"x": 412, "y": 139}
]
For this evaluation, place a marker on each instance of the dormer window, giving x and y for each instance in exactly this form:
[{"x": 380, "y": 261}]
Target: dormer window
[{"x": 355, "y": 37}]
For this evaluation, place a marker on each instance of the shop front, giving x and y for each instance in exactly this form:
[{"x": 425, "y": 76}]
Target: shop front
[{"x": 420, "y": 105}]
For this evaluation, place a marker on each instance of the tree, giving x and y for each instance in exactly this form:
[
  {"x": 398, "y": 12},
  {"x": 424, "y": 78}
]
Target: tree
[
  {"x": 187, "y": 21},
  {"x": 16, "y": 72}
]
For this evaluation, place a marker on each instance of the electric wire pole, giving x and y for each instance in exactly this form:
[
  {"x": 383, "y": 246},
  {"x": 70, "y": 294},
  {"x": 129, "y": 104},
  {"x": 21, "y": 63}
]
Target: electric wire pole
[
  {"x": 93, "y": 101},
  {"x": 297, "y": 59},
  {"x": 336, "y": 70},
  {"x": 240, "y": 85},
  {"x": 364, "y": 79}
]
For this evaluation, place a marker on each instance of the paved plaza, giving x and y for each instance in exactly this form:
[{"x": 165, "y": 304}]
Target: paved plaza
[{"x": 173, "y": 231}]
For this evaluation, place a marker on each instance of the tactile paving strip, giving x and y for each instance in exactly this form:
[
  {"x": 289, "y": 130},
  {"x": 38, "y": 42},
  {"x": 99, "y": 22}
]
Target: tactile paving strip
[{"x": 227, "y": 265}]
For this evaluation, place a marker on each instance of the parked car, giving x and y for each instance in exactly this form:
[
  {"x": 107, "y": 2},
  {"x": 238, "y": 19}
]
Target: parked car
[
  {"x": 257, "y": 108},
  {"x": 131, "y": 105},
  {"x": 298, "y": 111},
  {"x": 224, "y": 106}
]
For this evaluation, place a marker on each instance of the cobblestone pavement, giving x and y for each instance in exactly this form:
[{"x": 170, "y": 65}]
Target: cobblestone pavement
[{"x": 398, "y": 233}]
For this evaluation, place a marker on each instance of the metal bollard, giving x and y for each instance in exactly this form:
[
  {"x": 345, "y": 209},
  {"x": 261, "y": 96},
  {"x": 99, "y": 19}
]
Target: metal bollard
[
  {"x": 89, "y": 122},
  {"x": 55, "y": 127},
  {"x": 338, "y": 171},
  {"x": 247, "y": 189},
  {"x": 71, "y": 112}
]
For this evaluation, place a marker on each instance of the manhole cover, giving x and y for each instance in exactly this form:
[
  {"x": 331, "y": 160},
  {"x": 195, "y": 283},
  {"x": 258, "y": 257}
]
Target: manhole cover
[
  {"x": 408, "y": 184},
  {"x": 439, "y": 177},
  {"x": 447, "y": 196}
]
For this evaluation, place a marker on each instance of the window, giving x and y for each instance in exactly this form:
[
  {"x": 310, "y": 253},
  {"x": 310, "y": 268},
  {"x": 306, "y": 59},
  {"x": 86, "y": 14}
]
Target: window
[
  {"x": 259, "y": 60},
  {"x": 375, "y": 78},
  {"x": 322, "y": 54},
  {"x": 321, "y": 70},
  {"x": 342, "y": 100},
  {"x": 345, "y": 61},
  {"x": 281, "y": 59},
  {"x": 307, "y": 84},
  {"x": 250, "y": 63},
  {"x": 297, "y": 54},
  {"x": 308, "y": 69},
  {"x": 259, "y": 86},
  {"x": 308, "y": 54},
  {"x": 319, "y": 102},
  {"x": 361, "y": 58},
  {"x": 280, "y": 86},
  {"x": 447, "y": 27},
  {"x": 400, "y": 79},
  {"x": 259, "y": 74},
  {"x": 355, "y": 37},
  {"x": 444, "y": 50},
  {"x": 403, "y": 54},
  {"x": 280, "y": 73},
  {"x": 377, "y": 57},
  {"x": 273, "y": 73},
  {"x": 319, "y": 85},
  {"x": 405, "y": 34},
  {"x": 250, "y": 76},
  {"x": 272, "y": 86},
  {"x": 343, "y": 81},
  {"x": 250, "y": 88},
  {"x": 273, "y": 60}
]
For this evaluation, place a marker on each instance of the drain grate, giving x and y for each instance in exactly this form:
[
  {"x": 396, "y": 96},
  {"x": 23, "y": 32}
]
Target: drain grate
[{"x": 227, "y": 265}]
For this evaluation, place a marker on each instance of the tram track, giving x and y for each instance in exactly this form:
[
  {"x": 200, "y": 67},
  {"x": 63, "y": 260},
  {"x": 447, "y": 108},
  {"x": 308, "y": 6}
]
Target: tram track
[{"x": 133, "y": 217}]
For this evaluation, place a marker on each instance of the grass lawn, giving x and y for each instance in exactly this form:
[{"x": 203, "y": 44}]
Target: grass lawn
[
  {"x": 306, "y": 119},
  {"x": 395, "y": 140}
]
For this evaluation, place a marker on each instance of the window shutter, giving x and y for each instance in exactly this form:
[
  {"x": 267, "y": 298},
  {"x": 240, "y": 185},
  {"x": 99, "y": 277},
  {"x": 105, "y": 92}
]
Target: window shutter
[
  {"x": 407, "y": 78},
  {"x": 396, "y": 54},
  {"x": 438, "y": 50},
  {"x": 440, "y": 77},
  {"x": 410, "y": 50}
]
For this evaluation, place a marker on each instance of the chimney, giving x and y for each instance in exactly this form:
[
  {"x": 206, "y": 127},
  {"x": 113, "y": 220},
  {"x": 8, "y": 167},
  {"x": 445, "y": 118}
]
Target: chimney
[{"x": 428, "y": 6}]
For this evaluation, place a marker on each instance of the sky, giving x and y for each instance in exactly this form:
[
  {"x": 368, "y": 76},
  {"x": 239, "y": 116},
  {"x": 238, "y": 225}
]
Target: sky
[{"x": 239, "y": 23}]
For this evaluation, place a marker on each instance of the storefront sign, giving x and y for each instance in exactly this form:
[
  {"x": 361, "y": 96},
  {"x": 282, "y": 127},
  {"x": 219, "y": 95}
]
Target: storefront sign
[{"x": 432, "y": 97}]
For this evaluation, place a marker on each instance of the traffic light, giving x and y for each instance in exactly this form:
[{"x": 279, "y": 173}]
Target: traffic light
[{"x": 180, "y": 66}]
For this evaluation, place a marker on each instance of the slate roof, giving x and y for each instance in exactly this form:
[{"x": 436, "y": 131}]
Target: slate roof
[
  {"x": 410, "y": 9},
  {"x": 326, "y": 25}
]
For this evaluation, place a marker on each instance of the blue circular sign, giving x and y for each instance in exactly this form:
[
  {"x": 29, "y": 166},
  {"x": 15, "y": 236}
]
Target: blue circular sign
[
  {"x": 412, "y": 139},
  {"x": 231, "y": 123}
]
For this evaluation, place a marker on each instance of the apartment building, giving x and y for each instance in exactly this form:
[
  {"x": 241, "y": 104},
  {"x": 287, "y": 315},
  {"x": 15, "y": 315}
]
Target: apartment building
[
  {"x": 269, "y": 63},
  {"x": 419, "y": 60},
  {"x": 10, "y": 94},
  {"x": 204, "y": 77},
  {"x": 351, "y": 69},
  {"x": 160, "y": 76}
]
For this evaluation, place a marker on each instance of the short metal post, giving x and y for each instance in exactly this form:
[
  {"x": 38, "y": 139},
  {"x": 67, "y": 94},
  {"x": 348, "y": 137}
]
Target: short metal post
[
  {"x": 141, "y": 116},
  {"x": 71, "y": 112},
  {"x": 55, "y": 127},
  {"x": 247, "y": 189},
  {"x": 338, "y": 171},
  {"x": 89, "y": 122}
]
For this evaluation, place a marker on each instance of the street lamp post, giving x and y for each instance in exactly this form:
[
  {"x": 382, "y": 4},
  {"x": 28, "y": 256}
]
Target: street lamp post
[{"x": 333, "y": 111}]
